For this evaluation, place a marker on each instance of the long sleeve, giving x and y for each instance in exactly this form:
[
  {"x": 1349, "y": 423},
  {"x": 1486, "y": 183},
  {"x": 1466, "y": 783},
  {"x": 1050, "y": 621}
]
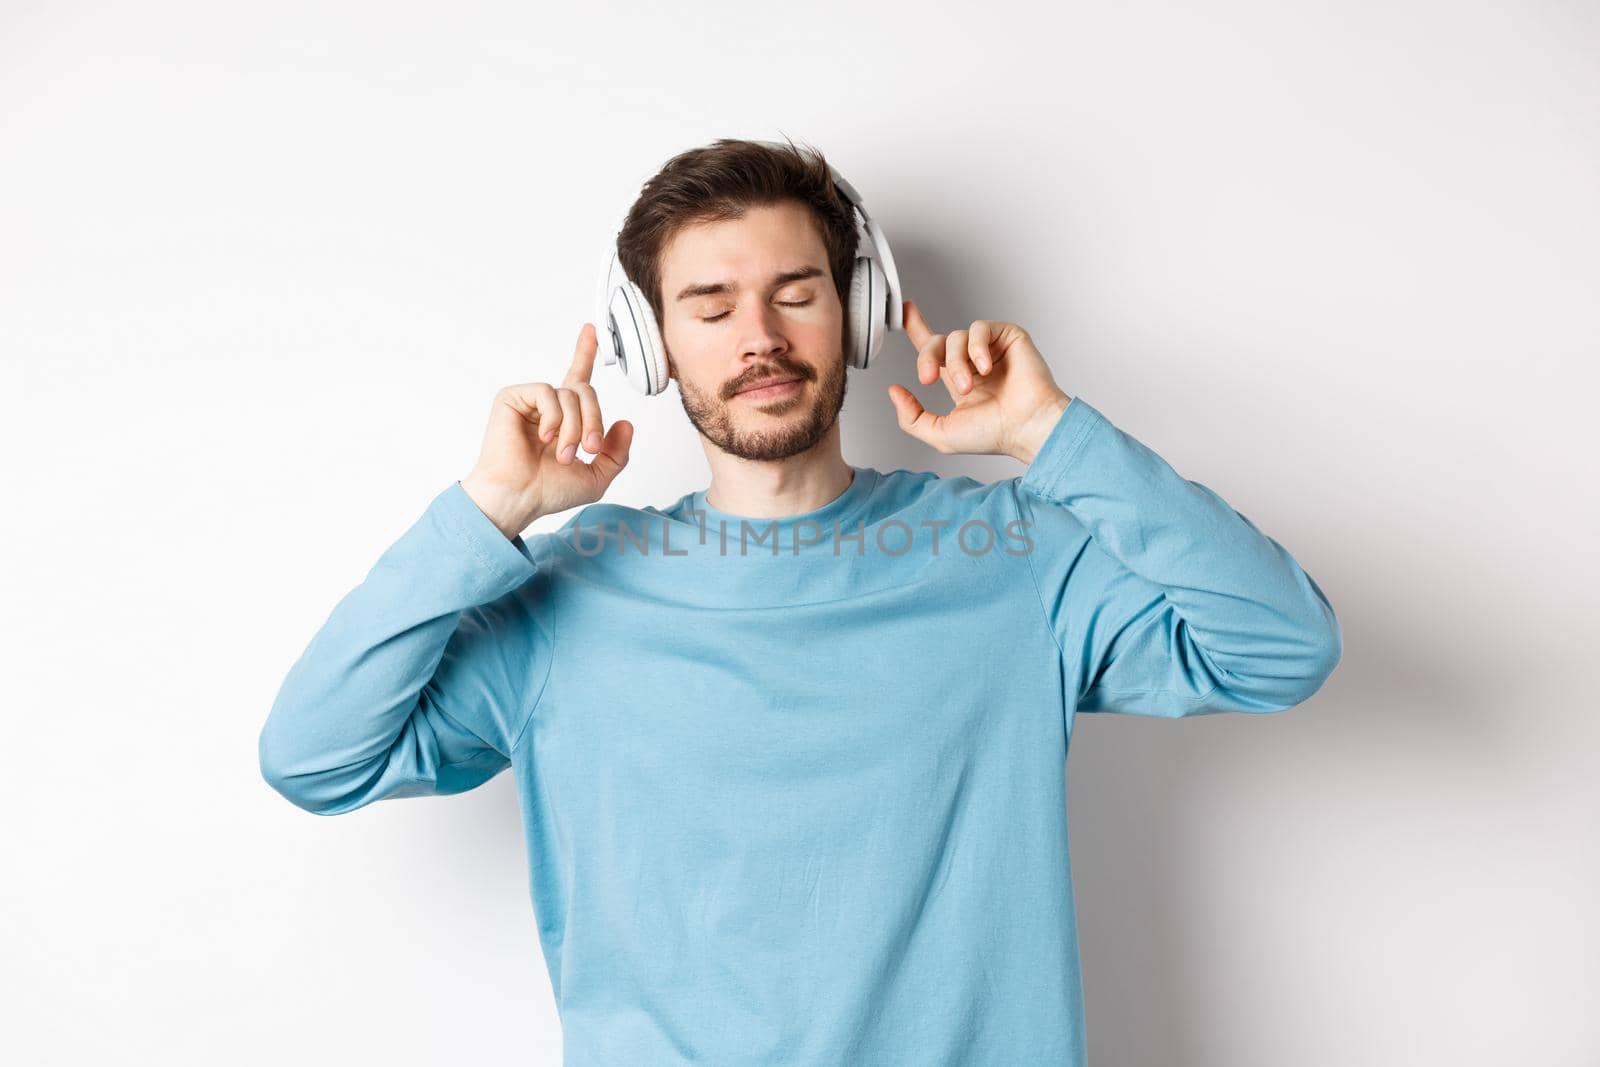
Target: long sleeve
[
  {"x": 423, "y": 676},
  {"x": 1162, "y": 598}
]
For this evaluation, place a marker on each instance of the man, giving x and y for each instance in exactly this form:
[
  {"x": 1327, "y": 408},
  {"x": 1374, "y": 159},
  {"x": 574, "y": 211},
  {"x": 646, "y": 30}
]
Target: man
[{"x": 790, "y": 751}]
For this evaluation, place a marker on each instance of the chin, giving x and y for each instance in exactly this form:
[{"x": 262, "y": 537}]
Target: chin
[{"x": 769, "y": 429}]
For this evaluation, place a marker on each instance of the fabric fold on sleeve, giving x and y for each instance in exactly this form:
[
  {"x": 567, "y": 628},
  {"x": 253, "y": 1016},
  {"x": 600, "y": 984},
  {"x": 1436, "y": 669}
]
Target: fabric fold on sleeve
[
  {"x": 1163, "y": 599},
  {"x": 421, "y": 678}
]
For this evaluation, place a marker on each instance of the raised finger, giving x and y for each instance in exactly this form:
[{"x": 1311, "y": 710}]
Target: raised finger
[
  {"x": 930, "y": 359},
  {"x": 583, "y": 358},
  {"x": 916, "y": 326}
]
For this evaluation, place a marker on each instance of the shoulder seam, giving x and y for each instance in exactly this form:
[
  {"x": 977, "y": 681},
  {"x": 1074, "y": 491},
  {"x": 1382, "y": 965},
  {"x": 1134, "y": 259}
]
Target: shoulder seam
[
  {"x": 542, "y": 544},
  {"x": 1033, "y": 576},
  {"x": 1069, "y": 700}
]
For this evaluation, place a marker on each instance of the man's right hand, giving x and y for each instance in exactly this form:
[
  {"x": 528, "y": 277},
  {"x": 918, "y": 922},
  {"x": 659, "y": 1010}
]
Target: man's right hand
[{"x": 528, "y": 466}]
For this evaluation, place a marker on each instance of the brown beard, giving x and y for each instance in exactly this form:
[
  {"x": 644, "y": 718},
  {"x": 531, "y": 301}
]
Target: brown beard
[{"x": 716, "y": 419}]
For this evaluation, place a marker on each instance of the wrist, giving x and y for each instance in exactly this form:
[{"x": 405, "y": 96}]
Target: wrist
[
  {"x": 1036, "y": 428},
  {"x": 510, "y": 511}
]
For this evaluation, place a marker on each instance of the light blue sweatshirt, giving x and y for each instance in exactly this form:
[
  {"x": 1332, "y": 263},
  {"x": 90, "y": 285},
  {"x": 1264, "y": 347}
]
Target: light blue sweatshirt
[{"x": 803, "y": 801}]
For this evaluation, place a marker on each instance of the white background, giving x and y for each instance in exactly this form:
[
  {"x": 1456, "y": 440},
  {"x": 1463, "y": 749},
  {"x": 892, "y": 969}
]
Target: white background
[{"x": 263, "y": 266}]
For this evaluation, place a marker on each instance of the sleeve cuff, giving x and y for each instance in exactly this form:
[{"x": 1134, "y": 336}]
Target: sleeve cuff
[
  {"x": 506, "y": 563},
  {"x": 1046, "y": 475}
]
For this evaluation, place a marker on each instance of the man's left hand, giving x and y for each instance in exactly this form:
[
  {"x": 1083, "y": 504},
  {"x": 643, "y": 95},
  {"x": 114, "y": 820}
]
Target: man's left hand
[{"x": 1006, "y": 399}]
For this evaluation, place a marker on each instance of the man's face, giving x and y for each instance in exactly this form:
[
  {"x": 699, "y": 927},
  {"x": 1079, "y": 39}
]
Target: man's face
[{"x": 735, "y": 313}]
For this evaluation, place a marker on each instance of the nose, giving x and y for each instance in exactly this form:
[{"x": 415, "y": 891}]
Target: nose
[{"x": 761, "y": 332}]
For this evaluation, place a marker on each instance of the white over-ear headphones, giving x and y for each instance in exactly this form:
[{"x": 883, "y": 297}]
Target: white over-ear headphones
[{"x": 629, "y": 334}]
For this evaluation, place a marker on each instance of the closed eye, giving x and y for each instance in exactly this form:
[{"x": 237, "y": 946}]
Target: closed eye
[{"x": 781, "y": 303}]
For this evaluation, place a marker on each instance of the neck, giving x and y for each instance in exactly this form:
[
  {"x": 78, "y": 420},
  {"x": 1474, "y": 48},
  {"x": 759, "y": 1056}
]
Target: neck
[{"x": 771, "y": 489}]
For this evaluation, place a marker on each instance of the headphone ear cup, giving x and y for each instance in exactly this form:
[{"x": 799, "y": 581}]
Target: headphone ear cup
[
  {"x": 869, "y": 292},
  {"x": 628, "y": 334},
  {"x": 636, "y": 339},
  {"x": 653, "y": 361}
]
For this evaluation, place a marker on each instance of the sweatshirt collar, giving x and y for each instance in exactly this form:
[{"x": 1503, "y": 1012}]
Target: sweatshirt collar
[{"x": 839, "y": 509}]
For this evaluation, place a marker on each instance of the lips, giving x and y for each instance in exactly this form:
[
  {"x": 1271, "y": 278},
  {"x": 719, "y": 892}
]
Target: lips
[{"x": 769, "y": 381}]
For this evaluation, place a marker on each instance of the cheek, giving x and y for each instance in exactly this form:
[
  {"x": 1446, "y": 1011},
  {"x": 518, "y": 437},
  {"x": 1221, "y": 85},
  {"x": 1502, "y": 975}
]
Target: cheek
[
  {"x": 820, "y": 332},
  {"x": 700, "y": 371},
  {"x": 682, "y": 352}
]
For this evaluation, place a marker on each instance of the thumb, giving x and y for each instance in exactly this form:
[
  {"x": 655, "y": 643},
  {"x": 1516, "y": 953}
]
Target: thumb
[
  {"x": 613, "y": 454},
  {"x": 914, "y": 419}
]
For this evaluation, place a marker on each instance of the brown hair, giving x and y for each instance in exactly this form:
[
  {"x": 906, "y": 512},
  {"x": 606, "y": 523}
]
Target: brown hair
[{"x": 716, "y": 183}]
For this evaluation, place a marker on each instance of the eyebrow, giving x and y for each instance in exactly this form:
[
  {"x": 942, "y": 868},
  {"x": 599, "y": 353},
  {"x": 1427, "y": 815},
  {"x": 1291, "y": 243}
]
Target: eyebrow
[{"x": 727, "y": 287}]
